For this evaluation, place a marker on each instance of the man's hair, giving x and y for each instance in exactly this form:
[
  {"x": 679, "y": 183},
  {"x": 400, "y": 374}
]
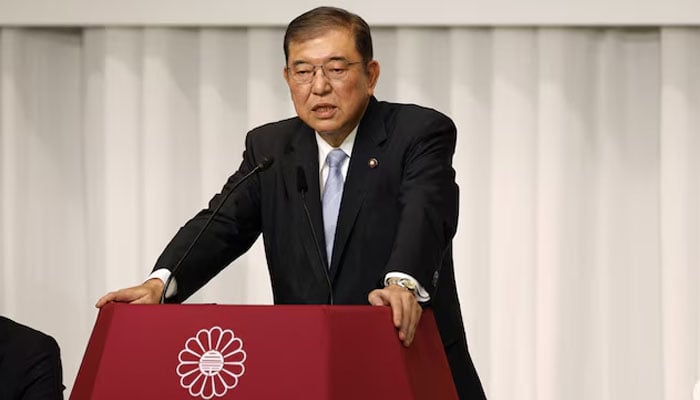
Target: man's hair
[{"x": 318, "y": 21}]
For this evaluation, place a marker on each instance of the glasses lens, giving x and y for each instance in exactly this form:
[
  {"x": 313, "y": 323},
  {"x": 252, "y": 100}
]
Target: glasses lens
[
  {"x": 335, "y": 70},
  {"x": 302, "y": 72}
]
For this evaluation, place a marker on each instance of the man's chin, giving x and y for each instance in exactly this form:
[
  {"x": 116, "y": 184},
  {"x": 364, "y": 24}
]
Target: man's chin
[
  {"x": 333, "y": 137},
  {"x": 325, "y": 128}
]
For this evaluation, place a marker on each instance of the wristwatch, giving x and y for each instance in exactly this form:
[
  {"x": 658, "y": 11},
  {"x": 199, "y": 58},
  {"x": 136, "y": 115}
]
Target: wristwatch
[{"x": 409, "y": 284}]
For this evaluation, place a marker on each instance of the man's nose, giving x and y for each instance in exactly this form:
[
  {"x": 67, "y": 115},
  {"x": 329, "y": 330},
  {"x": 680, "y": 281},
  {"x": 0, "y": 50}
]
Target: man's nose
[{"x": 320, "y": 83}]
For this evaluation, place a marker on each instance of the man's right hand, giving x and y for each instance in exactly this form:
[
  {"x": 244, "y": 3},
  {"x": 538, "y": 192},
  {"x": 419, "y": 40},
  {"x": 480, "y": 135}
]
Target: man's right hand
[{"x": 147, "y": 293}]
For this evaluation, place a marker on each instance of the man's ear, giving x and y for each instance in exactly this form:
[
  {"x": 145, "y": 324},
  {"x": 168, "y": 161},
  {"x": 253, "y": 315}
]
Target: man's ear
[
  {"x": 372, "y": 75},
  {"x": 285, "y": 74}
]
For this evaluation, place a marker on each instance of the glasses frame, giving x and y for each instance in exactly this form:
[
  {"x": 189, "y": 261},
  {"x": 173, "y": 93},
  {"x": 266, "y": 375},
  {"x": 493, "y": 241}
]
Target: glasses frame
[{"x": 322, "y": 66}]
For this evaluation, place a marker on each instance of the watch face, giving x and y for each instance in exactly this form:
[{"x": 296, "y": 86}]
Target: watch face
[
  {"x": 403, "y": 282},
  {"x": 407, "y": 283}
]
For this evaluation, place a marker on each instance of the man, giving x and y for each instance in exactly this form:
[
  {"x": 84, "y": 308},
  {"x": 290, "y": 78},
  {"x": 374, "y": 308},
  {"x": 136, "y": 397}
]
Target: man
[
  {"x": 30, "y": 364},
  {"x": 386, "y": 200}
]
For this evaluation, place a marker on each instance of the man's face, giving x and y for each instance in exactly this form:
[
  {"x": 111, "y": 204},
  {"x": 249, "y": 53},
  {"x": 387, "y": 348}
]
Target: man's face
[{"x": 331, "y": 107}]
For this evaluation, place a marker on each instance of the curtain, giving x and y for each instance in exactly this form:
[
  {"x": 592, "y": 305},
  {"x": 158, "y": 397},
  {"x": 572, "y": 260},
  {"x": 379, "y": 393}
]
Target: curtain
[{"x": 578, "y": 158}]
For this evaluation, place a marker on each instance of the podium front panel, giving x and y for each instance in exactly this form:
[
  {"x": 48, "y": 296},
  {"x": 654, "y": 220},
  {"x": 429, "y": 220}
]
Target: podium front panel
[{"x": 258, "y": 352}]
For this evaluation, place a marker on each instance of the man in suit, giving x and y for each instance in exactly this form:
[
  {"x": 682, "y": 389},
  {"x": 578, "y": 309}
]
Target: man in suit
[
  {"x": 30, "y": 364},
  {"x": 359, "y": 206}
]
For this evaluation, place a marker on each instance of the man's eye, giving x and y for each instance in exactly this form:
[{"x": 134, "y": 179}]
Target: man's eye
[{"x": 336, "y": 65}]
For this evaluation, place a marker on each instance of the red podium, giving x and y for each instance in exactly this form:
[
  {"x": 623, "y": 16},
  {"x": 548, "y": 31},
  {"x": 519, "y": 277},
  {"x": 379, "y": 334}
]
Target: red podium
[{"x": 259, "y": 352}]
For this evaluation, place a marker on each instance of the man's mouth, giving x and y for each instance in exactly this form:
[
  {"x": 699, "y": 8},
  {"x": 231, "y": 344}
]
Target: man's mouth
[{"x": 323, "y": 110}]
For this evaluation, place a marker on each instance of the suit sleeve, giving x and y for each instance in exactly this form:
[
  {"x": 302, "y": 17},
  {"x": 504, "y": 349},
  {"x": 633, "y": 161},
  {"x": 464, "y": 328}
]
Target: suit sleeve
[
  {"x": 428, "y": 203},
  {"x": 231, "y": 232},
  {"x": 43, "y": 373},
  {"x": 30, "y": 363}
]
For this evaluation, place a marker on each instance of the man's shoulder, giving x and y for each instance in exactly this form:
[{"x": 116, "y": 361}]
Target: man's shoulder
[
  {"x": 286, "y": 126},
  {"x": 408, "y": 111},
  {"x": 14, "y": 331},
  {"x": 277, "y": 138},
  {"x": 25, "y": 340},
  {"x": 410, "y": 119},
  {"x": 406, "y": 107}
]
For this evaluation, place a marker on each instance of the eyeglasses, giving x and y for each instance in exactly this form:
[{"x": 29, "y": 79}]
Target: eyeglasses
[{"x": 334, "y": 70}]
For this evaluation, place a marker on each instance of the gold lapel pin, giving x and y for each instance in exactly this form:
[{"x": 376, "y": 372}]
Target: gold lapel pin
[{"x": 372, "y": 163}]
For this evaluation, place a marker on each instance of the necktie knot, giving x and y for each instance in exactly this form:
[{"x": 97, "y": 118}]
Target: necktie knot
[{"x": 335, "y": 158}]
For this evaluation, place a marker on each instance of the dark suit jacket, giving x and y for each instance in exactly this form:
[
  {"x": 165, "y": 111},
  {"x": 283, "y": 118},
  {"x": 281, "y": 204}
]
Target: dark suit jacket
[
  {"x": 400, "y": 215},
  {"x": 30, "y": 364}
]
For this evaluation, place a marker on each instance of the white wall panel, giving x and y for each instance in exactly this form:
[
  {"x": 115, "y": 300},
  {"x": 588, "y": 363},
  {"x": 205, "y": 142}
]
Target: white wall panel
[{"x": 388, "y": 12}]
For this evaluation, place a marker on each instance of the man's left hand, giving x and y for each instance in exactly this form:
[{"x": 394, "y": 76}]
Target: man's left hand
[{"x": 405, "y": 309}]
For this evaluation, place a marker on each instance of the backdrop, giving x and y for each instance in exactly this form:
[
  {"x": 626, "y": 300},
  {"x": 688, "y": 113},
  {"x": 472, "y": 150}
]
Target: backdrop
[{"x": 578, "y": 159}]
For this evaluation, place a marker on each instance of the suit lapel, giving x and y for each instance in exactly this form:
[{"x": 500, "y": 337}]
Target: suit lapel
[
  {"x": 303, "y": 153},
  {"x": 370, "y": 135}
]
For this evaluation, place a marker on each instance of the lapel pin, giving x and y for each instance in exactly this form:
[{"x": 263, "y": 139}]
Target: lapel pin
[{"x": 372, "y": 163}]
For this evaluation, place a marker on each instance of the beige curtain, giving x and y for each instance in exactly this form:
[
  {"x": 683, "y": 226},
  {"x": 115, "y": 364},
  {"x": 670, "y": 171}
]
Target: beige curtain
[{"x": 578, "y": 158}]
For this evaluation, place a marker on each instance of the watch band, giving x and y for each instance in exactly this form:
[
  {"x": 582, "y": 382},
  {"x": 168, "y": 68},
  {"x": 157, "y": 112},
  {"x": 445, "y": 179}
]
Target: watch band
[{"x": 406, "y": 283}]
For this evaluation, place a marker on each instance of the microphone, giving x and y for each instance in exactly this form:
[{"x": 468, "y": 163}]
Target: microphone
[
  {"x": 261, "y": 166},
  {"x": 302, "y": 188}
]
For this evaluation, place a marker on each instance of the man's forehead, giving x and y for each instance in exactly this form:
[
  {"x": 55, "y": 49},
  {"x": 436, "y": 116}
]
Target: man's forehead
[{"x": 328, "y": 37}]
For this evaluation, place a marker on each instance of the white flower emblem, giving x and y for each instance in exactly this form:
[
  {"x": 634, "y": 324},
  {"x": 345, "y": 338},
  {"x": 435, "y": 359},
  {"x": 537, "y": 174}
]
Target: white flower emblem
[{"x": 211, "y": 363}]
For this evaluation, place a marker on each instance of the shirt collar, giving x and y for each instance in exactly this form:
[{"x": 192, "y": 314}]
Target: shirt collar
[{"x": 324, "y": 148}]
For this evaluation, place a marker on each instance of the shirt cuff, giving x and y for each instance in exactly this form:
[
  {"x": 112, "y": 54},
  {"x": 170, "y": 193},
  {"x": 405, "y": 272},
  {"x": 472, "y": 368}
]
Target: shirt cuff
[
  {"x": 163, "y": 274},
  {"x": 421, "y": 294}
]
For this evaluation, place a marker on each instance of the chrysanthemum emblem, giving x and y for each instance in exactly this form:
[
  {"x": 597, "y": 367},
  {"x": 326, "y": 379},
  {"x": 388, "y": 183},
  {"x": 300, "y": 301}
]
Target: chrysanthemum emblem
[{"x": 211, "y": 363}]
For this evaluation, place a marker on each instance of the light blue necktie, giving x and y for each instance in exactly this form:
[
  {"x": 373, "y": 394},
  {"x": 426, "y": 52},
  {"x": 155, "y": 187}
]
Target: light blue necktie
[{"x": 332, "y": 193}]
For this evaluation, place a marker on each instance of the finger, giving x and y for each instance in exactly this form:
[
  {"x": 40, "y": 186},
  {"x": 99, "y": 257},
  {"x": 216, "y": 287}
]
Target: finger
[
  {"x": 104, "y": 300},
  {"x": 122, "y": 296},
  {"x": 127, "y": 295},
  {"x": 397, "y": 311},
  {"x": 404, "y": 323},
  {"x": 411, "y": 316},
  {"x": 415, "y": 313},
  {"x": 377, "y": 298},
  {"x": 409, "y": 322}
]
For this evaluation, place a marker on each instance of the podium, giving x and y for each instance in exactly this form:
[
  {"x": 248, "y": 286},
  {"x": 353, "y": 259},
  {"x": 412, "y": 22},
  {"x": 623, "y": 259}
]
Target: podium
[{"x": 259, "y": 352}]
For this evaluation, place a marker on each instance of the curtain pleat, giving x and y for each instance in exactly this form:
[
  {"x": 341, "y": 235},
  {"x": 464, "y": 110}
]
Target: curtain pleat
[
  {"x": 680, "y": 209},
  {"x": 577, "y": 254}
]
